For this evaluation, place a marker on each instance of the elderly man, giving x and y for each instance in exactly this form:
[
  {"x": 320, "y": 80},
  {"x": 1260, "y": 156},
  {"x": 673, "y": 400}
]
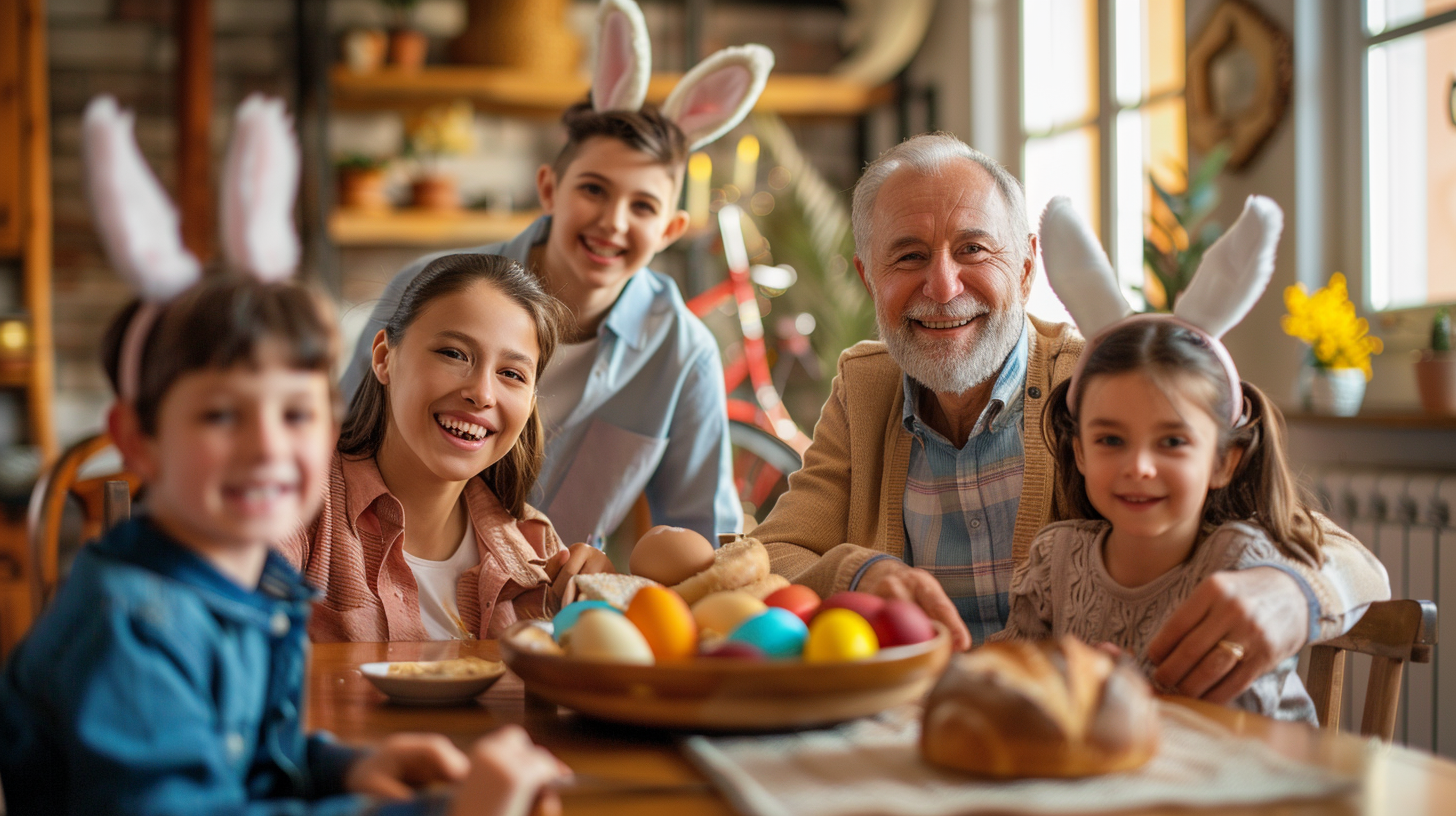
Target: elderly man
[{"x": 929, "y": 477}]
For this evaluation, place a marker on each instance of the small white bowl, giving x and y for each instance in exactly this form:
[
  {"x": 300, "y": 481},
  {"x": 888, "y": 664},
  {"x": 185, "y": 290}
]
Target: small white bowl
[{"x": 424, "y": 690}]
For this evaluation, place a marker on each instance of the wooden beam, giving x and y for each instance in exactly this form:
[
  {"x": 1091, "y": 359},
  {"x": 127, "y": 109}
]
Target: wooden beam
[
  {"x": 194, "y": 120},
  {"x": 36, "y": 137}
]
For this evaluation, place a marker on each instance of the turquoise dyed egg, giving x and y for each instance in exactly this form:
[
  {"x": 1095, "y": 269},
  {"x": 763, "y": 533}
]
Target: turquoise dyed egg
[
  {"x": 778, "y": 632},
  {"x": 566, "y": 618}
]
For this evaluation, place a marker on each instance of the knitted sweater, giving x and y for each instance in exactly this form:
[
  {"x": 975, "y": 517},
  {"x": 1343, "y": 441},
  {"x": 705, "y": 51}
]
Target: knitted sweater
[
  {"x": 1064, "y": 588},
  {"x": 845, "y": 505}
]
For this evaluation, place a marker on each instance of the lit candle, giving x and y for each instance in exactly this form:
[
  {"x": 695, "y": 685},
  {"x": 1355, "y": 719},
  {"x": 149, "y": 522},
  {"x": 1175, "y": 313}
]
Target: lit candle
[
  {"x": 745, "y": 171},
  {"x": 700, "y": 174}
]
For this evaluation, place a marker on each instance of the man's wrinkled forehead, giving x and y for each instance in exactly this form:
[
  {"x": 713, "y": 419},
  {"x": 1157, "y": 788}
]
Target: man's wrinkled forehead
[{"x": 960, "y": 199}]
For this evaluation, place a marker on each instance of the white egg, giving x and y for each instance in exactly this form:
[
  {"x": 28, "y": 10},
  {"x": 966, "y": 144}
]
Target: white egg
[{"x": 603, "y": 635}]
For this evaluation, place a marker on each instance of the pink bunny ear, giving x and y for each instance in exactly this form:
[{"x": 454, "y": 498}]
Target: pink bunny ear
[
  {"x": 624, "y": 57},
  {"x": 136, "y": 220},
  {"x": 260, "y": 181},
  {"x": 717, "y": 93}
]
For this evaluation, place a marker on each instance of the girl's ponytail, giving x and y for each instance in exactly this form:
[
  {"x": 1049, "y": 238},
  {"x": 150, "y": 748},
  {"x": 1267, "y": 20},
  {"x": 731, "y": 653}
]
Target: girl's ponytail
[{"x": 1263, "y": 487}]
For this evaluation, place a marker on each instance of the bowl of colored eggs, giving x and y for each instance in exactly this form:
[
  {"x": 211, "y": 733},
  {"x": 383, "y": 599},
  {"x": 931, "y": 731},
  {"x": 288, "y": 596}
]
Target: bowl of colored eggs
[{"x": 730, "y": 661}]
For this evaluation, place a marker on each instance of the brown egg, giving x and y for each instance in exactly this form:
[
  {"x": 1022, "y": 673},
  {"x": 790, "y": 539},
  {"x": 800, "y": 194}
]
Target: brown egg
[{"x": 670, "y": 555}]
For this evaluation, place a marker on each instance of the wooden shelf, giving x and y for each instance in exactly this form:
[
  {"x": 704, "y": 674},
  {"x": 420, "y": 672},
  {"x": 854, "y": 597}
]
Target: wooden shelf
[
  {"x": 411, "y": 227},
  {"x": 519, "y": 92},
  {"x": 1403, "y": 421}
]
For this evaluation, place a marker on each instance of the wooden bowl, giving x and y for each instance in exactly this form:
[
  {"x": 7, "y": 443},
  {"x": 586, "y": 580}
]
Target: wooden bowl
[{"x": 722, "y": 694}]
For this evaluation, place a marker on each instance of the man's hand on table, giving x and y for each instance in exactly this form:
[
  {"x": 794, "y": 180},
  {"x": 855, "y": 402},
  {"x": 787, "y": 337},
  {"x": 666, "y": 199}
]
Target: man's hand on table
[
  {"x": 404, "y": 764},
  {"x": 508, "y": 776},
  {"x": 1262, "y": 610},
  {"x": 578, "y": 559},
  {"x": 893, "y": 578}
]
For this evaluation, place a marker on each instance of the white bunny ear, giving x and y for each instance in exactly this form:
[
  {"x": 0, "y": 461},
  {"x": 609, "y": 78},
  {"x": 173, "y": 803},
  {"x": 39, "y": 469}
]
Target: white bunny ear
[
  {"x": 1078, "y": 269},
  {"x": 718, "y": 93},
  {"x": 136, "y": 219},
  {"x": 260, "y": 181},
  {"x": 624, "y": 57},
  {"x": 1234, "y": 271}
]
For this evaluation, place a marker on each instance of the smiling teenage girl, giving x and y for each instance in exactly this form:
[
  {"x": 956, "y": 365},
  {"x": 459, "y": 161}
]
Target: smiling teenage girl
[
  {"x": 634, "y": 401},
  {"x": 425, "y": 532}
]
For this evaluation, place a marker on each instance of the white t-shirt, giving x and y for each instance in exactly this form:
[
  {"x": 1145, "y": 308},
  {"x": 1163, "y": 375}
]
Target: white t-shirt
[
  {"x": 564, "y": 381},
  {"x": 437, "y": 581}
]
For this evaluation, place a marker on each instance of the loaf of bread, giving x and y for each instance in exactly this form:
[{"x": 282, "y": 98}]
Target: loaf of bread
[{"x": 1055, "y": 708}]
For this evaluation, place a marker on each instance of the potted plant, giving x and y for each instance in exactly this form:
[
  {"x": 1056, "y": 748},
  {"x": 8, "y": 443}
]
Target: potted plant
[
  {"x": 1436, "y": 368},
  {"x": 1180, "y": 231},
  {"x": 364, "y": 49},
  {"x": 361, "y": 183},
  {"x": 407, "y": 45},
  {"x": 1340, "y": 346},
  {"x": 442, "y": 130}
]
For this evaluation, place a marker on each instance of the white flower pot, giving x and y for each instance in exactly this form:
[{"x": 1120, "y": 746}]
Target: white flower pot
[{"x": 1336, "y": 391}]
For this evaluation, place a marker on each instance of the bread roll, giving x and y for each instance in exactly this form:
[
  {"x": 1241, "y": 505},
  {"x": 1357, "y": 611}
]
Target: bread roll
[
  {"x": 1056, "y": 708},
  {"x": 735, "y": 566}
]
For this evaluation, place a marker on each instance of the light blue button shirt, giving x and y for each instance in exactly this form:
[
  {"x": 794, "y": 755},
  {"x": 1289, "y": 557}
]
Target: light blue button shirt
[{"x": 651, "y": 419}]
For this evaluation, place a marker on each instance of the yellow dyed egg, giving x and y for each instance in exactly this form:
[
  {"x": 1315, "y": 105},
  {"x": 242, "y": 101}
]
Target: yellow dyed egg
[
  {"x": 605, "y": 635},
  {"x": 665, "y": 621},
  {"x": 721, "y": 612},
  {"x": 839, "y": 635}
]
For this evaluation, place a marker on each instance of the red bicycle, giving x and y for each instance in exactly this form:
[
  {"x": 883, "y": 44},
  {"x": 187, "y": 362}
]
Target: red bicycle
[{"x": 767, "y": 444}]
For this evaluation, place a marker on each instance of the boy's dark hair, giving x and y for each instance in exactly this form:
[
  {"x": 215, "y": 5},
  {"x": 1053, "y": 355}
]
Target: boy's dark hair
[
  {"x": 511, "y": 478},
  {"x": 1262, "y": 490},
  {"x": 221, "y": 322},
  {"x": 645, "y": 130}
]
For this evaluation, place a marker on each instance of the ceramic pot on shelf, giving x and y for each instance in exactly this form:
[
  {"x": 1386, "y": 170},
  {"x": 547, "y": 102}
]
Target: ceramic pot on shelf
[
  {"x": 1334, "y": 391},
  {"x": 364, "y": 49},
  {"x": 434, "y": 192},
  {"x": 1436, "y": 382},
  {"x": 407, "y": 49},
  {"x": 362, "y": 188}
]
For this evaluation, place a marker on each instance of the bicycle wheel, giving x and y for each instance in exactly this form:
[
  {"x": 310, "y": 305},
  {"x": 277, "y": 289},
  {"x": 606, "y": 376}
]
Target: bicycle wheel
[{"x": 761, "y": 467}]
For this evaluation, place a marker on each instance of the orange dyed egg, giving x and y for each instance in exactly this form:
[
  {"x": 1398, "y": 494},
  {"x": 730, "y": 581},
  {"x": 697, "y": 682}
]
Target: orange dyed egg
[{"x": 665, "y": 621}]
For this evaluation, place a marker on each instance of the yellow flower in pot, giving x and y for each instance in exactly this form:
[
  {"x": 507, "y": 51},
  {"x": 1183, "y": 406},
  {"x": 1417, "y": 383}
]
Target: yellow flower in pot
[
  {"x": 1436, "y": 368},
  {"x": 442, "y": 130},
  {"x": 1340, "y": 345}
]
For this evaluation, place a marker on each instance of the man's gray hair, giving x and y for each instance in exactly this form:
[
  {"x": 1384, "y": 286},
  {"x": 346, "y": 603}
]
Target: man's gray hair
[{"x": 928, "y": 153}]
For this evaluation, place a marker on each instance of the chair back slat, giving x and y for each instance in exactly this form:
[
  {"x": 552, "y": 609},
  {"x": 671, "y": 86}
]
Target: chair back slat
[{"x": 1392, "y": 633}]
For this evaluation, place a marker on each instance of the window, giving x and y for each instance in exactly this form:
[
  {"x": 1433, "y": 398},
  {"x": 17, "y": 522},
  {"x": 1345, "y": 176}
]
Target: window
[
  {"x": 1101, "y": 109},
  {"x": 1410, "y": 152}
]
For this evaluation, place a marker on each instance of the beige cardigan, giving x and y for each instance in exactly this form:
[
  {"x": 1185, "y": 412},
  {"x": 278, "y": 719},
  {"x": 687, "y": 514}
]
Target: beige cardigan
[{"x": 846, "y": 504}]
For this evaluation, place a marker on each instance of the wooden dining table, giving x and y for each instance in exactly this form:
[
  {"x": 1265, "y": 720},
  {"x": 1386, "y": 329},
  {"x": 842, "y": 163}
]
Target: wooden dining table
[{"x": 639, "y": 771}]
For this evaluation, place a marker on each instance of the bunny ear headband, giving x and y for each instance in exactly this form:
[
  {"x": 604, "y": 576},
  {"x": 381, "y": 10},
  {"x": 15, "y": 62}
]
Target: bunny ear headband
[
  {"x": 1232, "y": 275},
  {"x": 709, "y": 100},
  {"x": 138, "y": 223}
]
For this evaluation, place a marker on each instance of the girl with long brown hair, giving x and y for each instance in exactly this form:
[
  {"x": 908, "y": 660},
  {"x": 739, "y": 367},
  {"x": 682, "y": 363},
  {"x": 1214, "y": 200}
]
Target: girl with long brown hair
[{"x": 425, "y": 532}]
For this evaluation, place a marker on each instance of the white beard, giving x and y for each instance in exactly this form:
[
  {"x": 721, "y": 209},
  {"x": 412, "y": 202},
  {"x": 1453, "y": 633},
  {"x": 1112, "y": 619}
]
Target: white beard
[{"x": 950, "y": 367}]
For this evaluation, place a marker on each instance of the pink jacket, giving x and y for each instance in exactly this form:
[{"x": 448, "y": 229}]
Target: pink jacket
[{"x": 354, "y": 553}]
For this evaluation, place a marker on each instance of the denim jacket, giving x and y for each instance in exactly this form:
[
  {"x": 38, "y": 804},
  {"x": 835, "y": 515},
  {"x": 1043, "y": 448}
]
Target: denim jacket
[{"x": 156, "y": 685}]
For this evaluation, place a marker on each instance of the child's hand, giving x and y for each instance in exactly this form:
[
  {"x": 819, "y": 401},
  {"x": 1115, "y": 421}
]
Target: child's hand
[
  {"x": 579, "y": 559},
  {"x": 405, "y": 763},
  {"x": 507, "y": 775}
]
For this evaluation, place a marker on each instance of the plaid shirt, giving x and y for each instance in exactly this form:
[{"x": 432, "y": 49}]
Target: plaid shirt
[{"x": 960, "y": 505}]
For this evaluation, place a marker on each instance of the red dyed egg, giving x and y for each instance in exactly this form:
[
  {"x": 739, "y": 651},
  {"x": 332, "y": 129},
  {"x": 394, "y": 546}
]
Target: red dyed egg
[
  {"x": 736, "y": 649},
  {"x": 901, "y": 623},
  {"x": 796, "y": 598},
  {"x": 867, "y": 605}
]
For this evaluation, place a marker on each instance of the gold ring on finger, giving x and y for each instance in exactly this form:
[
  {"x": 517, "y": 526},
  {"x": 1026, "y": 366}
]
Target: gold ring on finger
[{"x": 1234, "y": 649}]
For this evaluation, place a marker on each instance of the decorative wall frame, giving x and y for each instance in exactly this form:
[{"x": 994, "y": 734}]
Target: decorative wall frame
[{"x": 1240, "y": 70}]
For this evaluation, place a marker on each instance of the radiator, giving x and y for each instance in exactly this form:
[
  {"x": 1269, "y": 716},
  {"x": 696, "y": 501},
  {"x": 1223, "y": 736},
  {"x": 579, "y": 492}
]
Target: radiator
[{"x": 1406, "y": 518}]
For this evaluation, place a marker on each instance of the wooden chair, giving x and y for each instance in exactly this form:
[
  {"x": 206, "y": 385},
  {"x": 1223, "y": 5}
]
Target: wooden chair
[
  {"x": 1392, "y": 633},
  {"x": 105, "y": 500}
]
